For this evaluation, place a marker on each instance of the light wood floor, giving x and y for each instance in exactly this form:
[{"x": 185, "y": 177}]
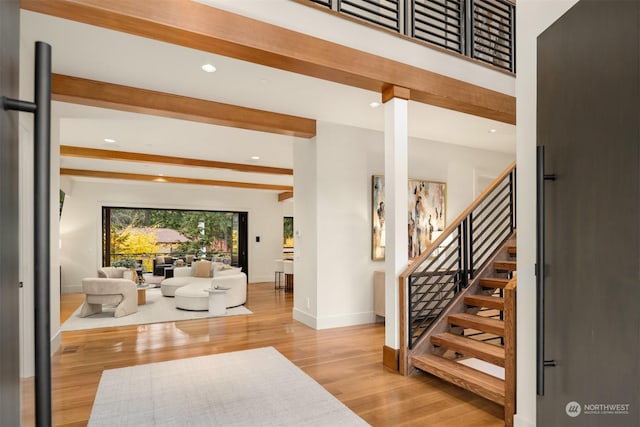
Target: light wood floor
[{"x": 346, "y": 361}]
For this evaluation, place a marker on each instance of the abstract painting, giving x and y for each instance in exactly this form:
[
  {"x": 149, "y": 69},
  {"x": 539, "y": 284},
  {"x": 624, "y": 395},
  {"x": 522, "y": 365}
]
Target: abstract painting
[
  {"x": 377, "y": 195},
  {"x": 426, "y": 215}
]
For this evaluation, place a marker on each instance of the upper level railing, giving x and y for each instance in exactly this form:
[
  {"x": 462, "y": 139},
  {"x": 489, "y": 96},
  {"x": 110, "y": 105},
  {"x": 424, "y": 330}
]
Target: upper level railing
[
  {"x": 435, "y": 278},
  {"x": 480, "y": 29}
]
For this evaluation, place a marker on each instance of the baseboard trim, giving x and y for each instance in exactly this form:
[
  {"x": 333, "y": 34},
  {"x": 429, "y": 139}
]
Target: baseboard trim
[
  {"x": 391, "y": 358},
  {"x": 305, "y": 318},
  {"x": 72, "y": 289},
  {"x": 56, "y": 342},
  {"x": 260, "y": 279},
  {"x": 519, "y": 421},
  {"x": 342, "y": 320}
]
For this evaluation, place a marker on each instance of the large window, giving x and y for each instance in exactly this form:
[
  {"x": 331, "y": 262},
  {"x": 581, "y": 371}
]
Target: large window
[{"x": 142, "y": 234}]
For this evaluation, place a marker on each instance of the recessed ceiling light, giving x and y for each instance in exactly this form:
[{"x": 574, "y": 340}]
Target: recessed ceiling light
[
  {"x": 160, "y": 174},
  {"x": 209, "y": 68},
  {"x": 109, "y": 140},
  {"x": 374, "y": 104},
  {"x": 255, "y": 157},
  {"x": 493, "y": 130}
]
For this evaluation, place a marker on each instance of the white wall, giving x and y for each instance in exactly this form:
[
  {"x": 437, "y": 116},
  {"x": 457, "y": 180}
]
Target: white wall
[
  {"x": 533, "y": 17},
  {"x": 333, "y": 266},
  {"x": 305, "y": 224},
  {"x": 80, "y": 225}
]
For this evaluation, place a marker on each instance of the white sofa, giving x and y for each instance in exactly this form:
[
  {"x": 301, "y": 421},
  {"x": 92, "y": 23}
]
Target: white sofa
[
  {"x": 183, "y": 276},
  {"x": 194, "y": 296},
  {"x": 189, "y": 290}
]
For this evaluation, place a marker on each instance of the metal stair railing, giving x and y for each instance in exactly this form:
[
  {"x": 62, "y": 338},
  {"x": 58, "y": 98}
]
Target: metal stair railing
[
  {"x": 449, "y": 265},
  {"x": 480, "y": 29}
]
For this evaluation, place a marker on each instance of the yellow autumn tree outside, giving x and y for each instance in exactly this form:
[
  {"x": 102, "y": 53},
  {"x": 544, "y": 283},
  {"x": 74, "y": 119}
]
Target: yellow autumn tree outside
[{"x": 130, "y": 243}]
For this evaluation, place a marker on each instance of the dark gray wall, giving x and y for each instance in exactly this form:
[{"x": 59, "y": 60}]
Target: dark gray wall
[{"x": 9, "y": 204}]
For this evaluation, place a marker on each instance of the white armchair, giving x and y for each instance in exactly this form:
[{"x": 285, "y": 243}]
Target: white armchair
[{"x": 109, "y": 288}]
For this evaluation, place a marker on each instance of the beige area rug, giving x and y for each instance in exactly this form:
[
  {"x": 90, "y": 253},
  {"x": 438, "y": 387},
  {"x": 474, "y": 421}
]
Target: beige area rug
[
  {"x": 258, "y": 387},
  {"x": 157, "y": 309}
]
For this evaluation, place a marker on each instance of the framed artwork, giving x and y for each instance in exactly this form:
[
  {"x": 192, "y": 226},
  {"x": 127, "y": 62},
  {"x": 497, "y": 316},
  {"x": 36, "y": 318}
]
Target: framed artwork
[
  {"x": 287, "y": 227},
  {"x": 425, "y": 215},
  {"x": 377, "y": 201}
]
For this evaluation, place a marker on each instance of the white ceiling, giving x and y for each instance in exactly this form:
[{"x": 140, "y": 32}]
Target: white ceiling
[{"x": 99, "y": 54}]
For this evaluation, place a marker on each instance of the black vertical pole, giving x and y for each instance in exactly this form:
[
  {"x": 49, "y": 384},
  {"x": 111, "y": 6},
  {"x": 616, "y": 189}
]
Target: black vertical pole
[
  {"x": 471, "y": 260},
  {"x": 468, "y": 29},
  {"x": 465, "y": 252},
  {"x": 42, "y": 215}
]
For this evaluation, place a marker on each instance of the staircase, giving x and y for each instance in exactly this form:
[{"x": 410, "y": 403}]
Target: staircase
[
  {"x": 458, "y": 300},
  {"x": 477, "y": 332}
]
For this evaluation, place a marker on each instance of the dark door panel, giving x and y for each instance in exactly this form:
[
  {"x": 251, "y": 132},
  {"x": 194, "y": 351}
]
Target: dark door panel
[
  {"x": 589, "y": 123},
  {"x": 9, "y": 203}
]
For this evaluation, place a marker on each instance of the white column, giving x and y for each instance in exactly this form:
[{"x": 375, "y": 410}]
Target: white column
[{"x": 396, "y": 239}]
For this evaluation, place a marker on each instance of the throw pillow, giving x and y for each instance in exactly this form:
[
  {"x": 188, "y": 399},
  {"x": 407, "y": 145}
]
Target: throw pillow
[{"x": 203, "y": 269}]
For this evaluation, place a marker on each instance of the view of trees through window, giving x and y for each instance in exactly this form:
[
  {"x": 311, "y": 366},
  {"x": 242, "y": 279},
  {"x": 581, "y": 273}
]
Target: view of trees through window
[
  {"x": 287, "y": 224},
  {"x": 142, "y": 234}
]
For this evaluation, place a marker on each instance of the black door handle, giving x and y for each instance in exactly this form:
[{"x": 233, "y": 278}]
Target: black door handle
[{"x": 540, "y": 269}]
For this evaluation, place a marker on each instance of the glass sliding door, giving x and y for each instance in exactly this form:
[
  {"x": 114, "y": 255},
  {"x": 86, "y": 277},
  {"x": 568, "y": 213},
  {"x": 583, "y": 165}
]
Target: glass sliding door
[
  {"x": 239, "y": 254},
  {"x": 144, "y": 234}
]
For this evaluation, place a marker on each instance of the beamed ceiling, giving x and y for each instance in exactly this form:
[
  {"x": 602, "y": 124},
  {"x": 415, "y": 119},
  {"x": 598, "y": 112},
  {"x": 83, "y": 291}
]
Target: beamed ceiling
[{"x": 131, "y": 71}]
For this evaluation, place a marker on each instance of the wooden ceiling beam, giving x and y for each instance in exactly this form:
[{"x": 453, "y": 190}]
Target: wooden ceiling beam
[
  {"x": 172, "y": 179},
  {"x": 125, "y": 98},
  {"x": 284, "y": 196},
  {"x": 197, "y": 26},
  {"x": 95, "y": 153}
]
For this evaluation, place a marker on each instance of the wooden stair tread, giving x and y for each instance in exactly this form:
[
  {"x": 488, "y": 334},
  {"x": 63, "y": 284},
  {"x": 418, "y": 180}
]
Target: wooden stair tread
[
  {"x": 493, "y": 282},
  {"x": 512, "y": 250},
  {"x": 505, "y": 265},
  {"x": 487, "y": 301},
  {"x": 479, "y": 323},
  {"x": 482, "y": 384},
  {"x": 470, "y": 347}
]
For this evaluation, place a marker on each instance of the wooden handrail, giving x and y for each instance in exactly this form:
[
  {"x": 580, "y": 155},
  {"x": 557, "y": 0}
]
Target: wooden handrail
[
  {"x": 510, "y": 351},
  {"x": 447, "y": 231}
]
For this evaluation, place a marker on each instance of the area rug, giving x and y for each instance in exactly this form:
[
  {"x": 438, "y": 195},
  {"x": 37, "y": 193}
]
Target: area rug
[
  {"x": 258, "y": 387},
  {"x": 157, "y": 309}
]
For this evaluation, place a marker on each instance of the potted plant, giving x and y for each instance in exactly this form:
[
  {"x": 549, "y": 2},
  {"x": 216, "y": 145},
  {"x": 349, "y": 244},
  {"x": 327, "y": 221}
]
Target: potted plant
[
  {"x": 125, "y": 262},
  {"x": 131, "y": 265}
]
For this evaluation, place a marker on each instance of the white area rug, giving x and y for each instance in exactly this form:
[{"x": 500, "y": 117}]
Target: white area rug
[
  {"x": 257, "y": 387},
  {"x": 157, "y": 309}
]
